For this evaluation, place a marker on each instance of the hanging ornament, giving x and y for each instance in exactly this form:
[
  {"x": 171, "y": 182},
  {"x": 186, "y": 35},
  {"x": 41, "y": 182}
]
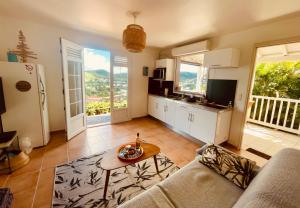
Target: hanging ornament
[{"x": 134, "y": 37}]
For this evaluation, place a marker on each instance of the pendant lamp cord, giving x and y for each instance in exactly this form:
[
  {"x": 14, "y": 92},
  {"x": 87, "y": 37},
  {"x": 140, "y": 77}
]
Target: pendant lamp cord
[{"x": 135, "y": 14}]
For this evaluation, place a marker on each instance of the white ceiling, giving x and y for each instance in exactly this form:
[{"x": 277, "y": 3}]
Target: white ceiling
[{"x": 166, "y": 22}]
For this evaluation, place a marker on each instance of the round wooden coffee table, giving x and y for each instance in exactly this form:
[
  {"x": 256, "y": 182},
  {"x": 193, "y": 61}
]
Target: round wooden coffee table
[{"x": 111, "y": 161}]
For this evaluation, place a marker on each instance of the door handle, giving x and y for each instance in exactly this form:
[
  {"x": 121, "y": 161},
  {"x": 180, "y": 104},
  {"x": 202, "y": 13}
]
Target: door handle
[{"x": 189, "y": 117}]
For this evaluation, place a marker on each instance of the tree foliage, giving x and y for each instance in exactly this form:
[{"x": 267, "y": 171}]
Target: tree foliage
[{"x": 281, "y": 78}]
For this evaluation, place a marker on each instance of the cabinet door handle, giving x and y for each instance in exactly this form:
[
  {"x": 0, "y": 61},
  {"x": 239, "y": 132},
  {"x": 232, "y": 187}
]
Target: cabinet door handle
[{"x": 189, "y": 117}]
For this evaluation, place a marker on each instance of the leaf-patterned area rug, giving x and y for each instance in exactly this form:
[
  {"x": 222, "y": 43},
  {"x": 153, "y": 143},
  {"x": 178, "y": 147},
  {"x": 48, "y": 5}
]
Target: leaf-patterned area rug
[{"x": 80, "y": 183}]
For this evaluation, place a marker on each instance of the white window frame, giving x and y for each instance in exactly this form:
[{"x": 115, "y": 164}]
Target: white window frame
[{"x": 177, "y": 79}]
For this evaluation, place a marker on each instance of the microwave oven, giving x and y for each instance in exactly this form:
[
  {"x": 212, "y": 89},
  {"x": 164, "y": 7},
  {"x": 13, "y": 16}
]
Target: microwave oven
[{"x": 159, "y": 73}]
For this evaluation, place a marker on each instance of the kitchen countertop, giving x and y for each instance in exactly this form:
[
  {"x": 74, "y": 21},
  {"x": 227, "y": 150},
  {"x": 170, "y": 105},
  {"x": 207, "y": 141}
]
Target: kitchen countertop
[{"x": 195, "y": 105}]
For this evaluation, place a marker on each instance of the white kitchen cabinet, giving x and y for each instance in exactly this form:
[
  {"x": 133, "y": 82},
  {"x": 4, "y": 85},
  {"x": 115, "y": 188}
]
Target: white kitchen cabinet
[
  {"x": 169, "y": 65},
  {"x": 170, "y": 112},
  {"x": 206, "y": 124},
  {"x": 156, "y": 107},
  {"x": 182, "y": 118},
  {"x": 203, "y": 125},
  {"x": 198, "y": 123},
  {"x": 162, "y": 109},
  {"x": 223, "y": 58}
]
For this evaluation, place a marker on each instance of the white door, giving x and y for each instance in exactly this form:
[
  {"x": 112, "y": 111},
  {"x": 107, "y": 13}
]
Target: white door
[
  {"x": 157, "y": 108},
  {"x": 161, "y": 107},
  {"x": 170, "y": 112},
  {"x": 119, "y": 88},
  {"x": 151, "y": 105},
  {"x": 182, "y": 121},
  {"x": 203, "y": 125},
  {"x": 72, "y": 57}
]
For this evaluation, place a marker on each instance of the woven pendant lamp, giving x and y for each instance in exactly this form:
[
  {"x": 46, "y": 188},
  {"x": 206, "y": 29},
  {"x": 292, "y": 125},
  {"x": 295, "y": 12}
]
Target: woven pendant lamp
[{"x": 134, "y": 37}]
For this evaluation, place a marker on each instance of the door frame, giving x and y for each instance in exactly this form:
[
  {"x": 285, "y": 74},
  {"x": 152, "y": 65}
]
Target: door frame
[{"x": 252, "y": 76}]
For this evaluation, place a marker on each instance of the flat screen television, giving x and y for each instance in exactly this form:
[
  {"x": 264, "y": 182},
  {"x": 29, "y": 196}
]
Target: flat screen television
[
  {"x": 221, "y": 91},
  {"x": 2, "y": 101}
]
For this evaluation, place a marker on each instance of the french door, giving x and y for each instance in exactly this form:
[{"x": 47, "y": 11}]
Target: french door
[
  {"x": 73, "y": 78},
  {"x": 74, "y": 90},
  {"x": 119, "y": 77}
]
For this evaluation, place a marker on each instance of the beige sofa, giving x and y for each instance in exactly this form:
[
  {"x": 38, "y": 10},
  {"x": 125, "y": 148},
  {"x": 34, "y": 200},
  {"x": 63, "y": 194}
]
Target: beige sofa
[{"x": 277, "y": 184}]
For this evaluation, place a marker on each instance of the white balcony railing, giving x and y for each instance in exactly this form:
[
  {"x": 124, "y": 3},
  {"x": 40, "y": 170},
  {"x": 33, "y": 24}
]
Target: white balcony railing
[{"x": 278, "y": 113}]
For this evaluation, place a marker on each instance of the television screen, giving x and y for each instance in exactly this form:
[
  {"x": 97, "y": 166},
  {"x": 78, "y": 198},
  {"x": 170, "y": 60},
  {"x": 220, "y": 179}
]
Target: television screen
[
  {"x": 2, "y": 101},
  {"x": 221, "y": 91}
]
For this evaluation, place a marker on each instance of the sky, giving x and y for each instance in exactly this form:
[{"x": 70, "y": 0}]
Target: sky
[
  {"x": 96, "y": 59},
  {"x": 189, "y": 68}
]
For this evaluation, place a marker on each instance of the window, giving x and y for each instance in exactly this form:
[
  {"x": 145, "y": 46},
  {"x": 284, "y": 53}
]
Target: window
[{"x": 191, "y": 75}]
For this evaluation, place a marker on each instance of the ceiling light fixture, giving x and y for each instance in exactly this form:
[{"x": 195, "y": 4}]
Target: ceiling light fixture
[{"x": 134, "y": 37}]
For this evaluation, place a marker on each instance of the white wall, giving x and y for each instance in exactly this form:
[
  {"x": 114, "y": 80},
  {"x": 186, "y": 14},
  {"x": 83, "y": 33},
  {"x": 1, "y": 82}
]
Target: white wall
[
  {"x": 245, "y": 41},
  {"x": 44, "y": 40}
]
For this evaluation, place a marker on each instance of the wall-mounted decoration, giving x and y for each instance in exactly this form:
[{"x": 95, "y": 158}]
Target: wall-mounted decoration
[
  {"x": 11, "y": 56},
  {"x": 145, "y": 70},
  {"x": 23, "y": 49},
  {"x": 23, "y": 86}
]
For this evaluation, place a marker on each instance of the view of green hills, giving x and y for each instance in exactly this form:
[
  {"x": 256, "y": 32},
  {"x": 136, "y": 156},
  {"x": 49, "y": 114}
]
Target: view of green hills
[
  {"x": 97, "y": 82},
  {"x": 188, "y": 81},
  {"x": 97, "y": 90}
]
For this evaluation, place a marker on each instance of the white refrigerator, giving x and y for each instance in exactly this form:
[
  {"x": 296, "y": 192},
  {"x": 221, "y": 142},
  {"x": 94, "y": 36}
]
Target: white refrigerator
[{"x": 26, "y": 109}]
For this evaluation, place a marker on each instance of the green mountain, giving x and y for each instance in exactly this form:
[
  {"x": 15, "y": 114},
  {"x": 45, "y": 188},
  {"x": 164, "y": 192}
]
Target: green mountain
[
  {"x": 100, "y": 73},
  {"x": 187, "y": 75}
]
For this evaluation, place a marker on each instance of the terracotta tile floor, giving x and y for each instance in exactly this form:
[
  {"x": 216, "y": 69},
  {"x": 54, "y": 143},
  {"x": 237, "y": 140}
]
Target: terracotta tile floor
[{"x": 32, "y": 185}]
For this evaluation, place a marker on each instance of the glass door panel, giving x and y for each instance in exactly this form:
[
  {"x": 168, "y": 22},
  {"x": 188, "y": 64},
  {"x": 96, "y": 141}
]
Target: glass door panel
[
  {"x": 120, "y": 87},
  {"x": 75, "y": 87}
]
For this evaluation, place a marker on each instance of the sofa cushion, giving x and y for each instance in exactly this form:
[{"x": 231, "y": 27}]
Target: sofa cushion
[
  {"x": 235, "y": 168},
  {"x": 193, "y": 186},
  {"x": 277, "y": 185},
  {"x": 154, "y": 198}
]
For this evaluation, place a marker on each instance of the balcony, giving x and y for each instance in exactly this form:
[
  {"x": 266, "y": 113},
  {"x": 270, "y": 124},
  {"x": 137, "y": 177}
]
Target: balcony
[
  {"x": 272, "y": 124},
  {"x": 278, "y": 113}
]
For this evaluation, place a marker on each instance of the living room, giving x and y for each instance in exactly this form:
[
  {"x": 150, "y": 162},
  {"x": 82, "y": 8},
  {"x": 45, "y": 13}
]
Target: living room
[{"x": 237, "y": 27}]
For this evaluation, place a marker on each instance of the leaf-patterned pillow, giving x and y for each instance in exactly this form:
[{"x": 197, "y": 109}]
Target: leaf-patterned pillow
[{"x": 235, "y": 168}]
